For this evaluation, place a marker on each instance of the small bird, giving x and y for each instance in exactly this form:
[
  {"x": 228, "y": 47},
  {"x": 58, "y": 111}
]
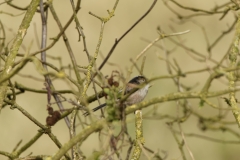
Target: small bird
[{"x": 139, "y": 82}]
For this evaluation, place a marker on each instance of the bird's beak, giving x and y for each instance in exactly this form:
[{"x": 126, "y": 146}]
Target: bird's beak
[{"x": 150, "y": 85}]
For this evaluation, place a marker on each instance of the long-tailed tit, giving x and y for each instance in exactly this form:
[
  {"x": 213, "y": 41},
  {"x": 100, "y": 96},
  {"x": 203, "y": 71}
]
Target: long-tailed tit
[{"x": 139, "y": 84}]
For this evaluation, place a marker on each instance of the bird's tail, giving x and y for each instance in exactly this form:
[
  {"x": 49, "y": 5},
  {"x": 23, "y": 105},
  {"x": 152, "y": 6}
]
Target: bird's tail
[{"x": 95, "y": 109}]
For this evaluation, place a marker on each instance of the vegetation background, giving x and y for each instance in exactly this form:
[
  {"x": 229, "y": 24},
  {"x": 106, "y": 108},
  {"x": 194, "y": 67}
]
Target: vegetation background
[{"x": 158, "y": 136}]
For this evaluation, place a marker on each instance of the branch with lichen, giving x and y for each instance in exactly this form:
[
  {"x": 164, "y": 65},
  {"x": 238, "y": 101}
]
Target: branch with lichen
[
  {"x": 177, "y": 96},
  {"x": 80, "y": 137},
  {"x": 15, "y": 47},
  {"x": 44, "y": 129},
  {"x": 139, "y": 141},
  {"x": 92, "y": 61},
  {"x": 232, "y": 76}
]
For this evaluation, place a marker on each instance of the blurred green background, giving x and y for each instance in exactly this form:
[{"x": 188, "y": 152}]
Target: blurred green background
[{"x": 14, "y": 126}]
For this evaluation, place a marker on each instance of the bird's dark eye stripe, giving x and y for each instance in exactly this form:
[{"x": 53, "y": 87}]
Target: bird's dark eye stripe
[{"x": 137, "y": 80}]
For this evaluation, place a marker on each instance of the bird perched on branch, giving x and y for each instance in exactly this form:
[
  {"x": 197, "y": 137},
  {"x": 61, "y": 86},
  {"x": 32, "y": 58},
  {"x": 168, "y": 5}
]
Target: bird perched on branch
[{"x": 136, "y": 87}]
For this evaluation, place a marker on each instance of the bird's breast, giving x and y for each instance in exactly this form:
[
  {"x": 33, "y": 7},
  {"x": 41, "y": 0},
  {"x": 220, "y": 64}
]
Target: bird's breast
[{"x": 137, "y": 96}]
